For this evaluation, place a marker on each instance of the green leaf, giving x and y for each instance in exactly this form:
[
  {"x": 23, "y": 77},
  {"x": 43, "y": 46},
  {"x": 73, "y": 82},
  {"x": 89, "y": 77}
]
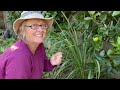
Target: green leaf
[
  {"x": 116, "y": 56},
  {"x": 114, "y": 44},
  {"x": 102, "y": 53},
  {"x": 118, "y": 40},
  {"x": 108, "y": 63},
  {"x": 116, "y": 62},
  {"x": 91, "y": 12},
  {"x": 109, "y": 52},
  {"x": 90, "y": 75},
  {"x": 115, "y": 13},
  {"x": 87, "y": 18},
  {"x": 86, "y": 24},
  {"x": 103, "y": 17}
]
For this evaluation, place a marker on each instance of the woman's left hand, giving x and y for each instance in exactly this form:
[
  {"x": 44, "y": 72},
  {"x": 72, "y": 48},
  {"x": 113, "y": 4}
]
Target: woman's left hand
[{"x": 56, "y": 59}]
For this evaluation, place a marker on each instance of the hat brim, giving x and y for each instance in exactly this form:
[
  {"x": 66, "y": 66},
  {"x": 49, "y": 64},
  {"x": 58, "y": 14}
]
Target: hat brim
[{"x": 19, "y": 21}]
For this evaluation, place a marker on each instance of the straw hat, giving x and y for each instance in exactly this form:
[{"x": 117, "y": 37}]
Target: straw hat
[{"x": 30, "y": 15}]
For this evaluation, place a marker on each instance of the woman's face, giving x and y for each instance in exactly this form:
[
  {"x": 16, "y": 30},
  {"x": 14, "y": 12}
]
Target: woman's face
[{"x": 34, "y": 34}]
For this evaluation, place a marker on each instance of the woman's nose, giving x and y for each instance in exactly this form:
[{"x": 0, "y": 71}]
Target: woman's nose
[{"x": 40, "y": 29}]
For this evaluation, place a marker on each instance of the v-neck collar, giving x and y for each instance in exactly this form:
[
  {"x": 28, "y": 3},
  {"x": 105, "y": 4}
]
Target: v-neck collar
[{"x": 27, "y": 48}]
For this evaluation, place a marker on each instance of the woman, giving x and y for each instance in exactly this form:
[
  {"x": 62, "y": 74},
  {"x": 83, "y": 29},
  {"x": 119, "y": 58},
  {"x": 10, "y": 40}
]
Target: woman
[{"x": 26, "y": 58}]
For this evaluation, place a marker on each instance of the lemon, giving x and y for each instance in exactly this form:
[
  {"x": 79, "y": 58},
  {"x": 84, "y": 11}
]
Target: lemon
[{"x": 95, "y": 39}]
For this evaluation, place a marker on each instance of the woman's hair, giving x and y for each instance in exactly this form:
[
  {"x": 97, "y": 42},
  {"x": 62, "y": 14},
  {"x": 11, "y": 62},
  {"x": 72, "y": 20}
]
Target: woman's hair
[{"x": 21, "y": 31}]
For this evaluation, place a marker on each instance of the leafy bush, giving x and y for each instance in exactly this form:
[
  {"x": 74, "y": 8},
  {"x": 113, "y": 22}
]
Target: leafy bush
[{"x": 91, "y": 36}]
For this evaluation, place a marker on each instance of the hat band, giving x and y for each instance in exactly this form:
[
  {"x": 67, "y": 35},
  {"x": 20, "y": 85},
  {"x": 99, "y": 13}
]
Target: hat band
[{"x": 30, "y": 12}]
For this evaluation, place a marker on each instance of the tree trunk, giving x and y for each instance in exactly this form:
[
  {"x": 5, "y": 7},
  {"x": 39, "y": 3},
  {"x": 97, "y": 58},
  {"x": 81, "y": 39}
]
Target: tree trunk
[
  {"x": 8, "y": 25},
  {"x": 1, "y": 20},
  {"x": 2, "y": 27}
]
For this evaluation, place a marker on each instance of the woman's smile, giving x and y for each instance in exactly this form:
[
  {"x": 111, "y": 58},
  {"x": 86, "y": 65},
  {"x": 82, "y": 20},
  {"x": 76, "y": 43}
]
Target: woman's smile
[{"x": 39, "y": 35}]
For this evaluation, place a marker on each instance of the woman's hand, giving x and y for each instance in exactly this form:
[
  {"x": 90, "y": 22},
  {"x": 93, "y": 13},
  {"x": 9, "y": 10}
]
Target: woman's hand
[{"x": 56, "y": 59}]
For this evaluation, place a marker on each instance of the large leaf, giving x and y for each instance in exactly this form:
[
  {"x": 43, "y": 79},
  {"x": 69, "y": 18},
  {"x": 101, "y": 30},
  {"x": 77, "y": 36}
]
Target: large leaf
[
  {"x": 103, "y": 17},
  {"x": 109, "y": 52},
  {"x": 115, "y": 13},
  {"x": 102, "y": 53},
  {"x": 91, "y": 12},
  {"x": 87, "y": 18},
  {"x": 116, "y": 62},
  {"x": 118, "y": 40}
]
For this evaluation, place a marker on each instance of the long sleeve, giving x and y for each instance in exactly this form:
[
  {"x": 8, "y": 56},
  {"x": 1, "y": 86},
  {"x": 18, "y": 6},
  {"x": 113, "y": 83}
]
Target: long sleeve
[
  {"x": 18, "y": 67},
  {"x": 47, "y": 65}
]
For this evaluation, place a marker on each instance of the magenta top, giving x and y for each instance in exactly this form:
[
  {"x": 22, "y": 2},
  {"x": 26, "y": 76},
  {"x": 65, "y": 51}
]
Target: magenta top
[{"x": 18, "y": 62}]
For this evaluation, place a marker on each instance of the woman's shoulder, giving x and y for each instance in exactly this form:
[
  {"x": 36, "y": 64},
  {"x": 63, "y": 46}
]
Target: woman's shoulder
[
  {"x": 14, "y": 54},
  {"x": 15, "y": 49}
]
